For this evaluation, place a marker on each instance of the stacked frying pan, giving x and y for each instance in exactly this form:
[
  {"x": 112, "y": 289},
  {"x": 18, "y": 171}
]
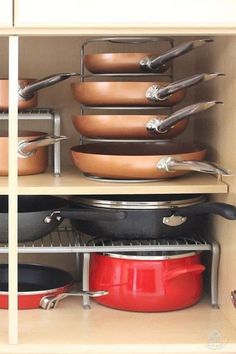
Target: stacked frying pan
[{"x": 138, "y": 160}]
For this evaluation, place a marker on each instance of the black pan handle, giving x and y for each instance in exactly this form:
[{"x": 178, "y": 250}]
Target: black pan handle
[
  {"x": 86, "y": 214},
  {"x": 158, "y": 93},
  {"x": 227, "y": 211},
  {"x": 158, "y": 64},
  {"x": 162, "y": 126}
]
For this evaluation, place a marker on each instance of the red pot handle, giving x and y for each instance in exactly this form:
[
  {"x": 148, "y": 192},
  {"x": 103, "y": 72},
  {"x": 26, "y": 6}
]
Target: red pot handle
[{"x": 192, "y": 268}]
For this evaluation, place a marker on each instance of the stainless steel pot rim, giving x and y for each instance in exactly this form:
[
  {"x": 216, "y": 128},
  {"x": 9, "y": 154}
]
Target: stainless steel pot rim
[
  {"x": 149, "y": 258},
  {"x": 125, "y": 204}
]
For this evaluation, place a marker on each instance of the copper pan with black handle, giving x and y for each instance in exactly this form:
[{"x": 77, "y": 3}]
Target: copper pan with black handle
[
  {"x": 142, "y": 160},
  {"x": 121, "y": 93},
  {"x": 104, "y": 63},
  {"x": 157, "y": 126}
]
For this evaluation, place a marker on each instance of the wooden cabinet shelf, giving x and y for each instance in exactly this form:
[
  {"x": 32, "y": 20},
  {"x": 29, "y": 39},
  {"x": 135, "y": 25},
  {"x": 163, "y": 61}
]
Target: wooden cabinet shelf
[
  {"x": 3, "y": 185},
  {"x": 72, "y": 182},
  {"x": 105, "y": 330}
]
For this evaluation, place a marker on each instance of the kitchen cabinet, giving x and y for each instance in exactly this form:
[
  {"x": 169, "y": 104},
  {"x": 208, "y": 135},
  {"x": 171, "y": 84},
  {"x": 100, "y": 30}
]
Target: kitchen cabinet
[
  {"x": 156, "y": 15},
  {"x": 6, "y": 14},
  {"x": 70, "y": 328}
]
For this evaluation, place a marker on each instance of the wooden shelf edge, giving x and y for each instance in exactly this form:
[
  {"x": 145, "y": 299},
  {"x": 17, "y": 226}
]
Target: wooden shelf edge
[
  {"x": 116, "y": 349},
  {"x": 84, "y": 332},
  {"x": 72, "y": 182},
  {"x": 139, "y": 29}
]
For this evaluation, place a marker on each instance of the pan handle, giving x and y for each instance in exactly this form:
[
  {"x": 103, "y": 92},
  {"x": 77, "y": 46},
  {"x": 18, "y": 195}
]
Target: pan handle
[
  {"x": 227, "y": 211},
  {"x": 49, "y": 302},
  {"x": 27, "y": 148},
  {"x": 27, "y": 92},
  {"x": 170, "y": 164},
  {"x": 158, "y": 64},
  {"x": 162, "y": 126},
  {"x": 160, "y": 93},
  {"x": 190, "y": 268},
  {"x": 86, "y": 214}
]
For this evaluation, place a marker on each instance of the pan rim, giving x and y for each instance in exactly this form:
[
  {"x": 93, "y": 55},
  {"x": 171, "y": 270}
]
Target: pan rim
[
  {"x": 190, "y": 148},
  {"x": 45, "y": 267}
]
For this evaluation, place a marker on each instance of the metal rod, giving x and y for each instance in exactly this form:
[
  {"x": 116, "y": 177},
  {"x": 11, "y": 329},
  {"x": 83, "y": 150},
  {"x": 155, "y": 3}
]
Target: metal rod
[{"x": 86, "y": 299}]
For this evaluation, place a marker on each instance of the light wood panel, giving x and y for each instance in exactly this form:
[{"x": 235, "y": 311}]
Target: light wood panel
[
  {"x": 218, "y": 130},
  {"x": 154, "y": 14},
  {"x": 6, "y": 13},
  {"x": 3, "y": 185},
  {"x": 72, "y": 182},
  {"x": 101, "y": 329}
]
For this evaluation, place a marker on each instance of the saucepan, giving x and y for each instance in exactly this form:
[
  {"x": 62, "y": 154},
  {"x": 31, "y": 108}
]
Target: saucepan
[
  {"x": 28, "y": 88},
  {"x": 157, "y": 126},
  {"x": 138, "y": 62},
  {"x": 150, "y": 216},
  {"x": 32, "y": 151},
  {"x": 164, "y": 159},
  {"x": 38, "y": 285},
  {"x": 147, "y": 282},
  {"x": 40, "y": 215},
  {"x": 117, "y": 93}
]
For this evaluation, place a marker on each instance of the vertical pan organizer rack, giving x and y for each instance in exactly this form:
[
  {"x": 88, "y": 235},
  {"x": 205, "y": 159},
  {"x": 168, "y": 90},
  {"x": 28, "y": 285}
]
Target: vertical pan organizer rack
[
  {"x": 44, "y": 114},
  {"x": 155, "y": 41}
]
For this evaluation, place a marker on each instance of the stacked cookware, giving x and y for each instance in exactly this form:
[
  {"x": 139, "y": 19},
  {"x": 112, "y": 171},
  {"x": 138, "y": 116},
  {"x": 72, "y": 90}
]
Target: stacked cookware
[
  {"x": 138, "y": 147},
  {"x": 147, "y": 152},
  {"x": 32, "y": 145}
]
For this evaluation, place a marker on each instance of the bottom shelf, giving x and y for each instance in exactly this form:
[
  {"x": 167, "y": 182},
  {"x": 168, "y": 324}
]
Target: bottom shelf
[{"x": 71, "y": 329}]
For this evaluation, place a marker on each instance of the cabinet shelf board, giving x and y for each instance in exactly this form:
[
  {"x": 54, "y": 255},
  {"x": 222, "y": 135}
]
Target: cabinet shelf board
[
  {"x": 72, "y": 182},
  {"x": 71, "y": 329},
  {"x": 3, "y": 185}
]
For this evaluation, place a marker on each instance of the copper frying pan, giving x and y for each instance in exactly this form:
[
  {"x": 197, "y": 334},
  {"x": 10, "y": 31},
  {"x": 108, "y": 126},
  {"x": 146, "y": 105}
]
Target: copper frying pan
[
  {"x": 27, "y": 97},
  {"x": 138, "y": 126},
  {"x": 114, "y": 93},
  {"x": 141, "y": 160},
  {"x": 138, "y": 62},
  {"x": 32, "y": 152}
]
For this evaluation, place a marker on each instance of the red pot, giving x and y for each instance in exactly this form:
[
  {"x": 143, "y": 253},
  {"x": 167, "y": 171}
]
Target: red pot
[{"x": 148, "y": 284}]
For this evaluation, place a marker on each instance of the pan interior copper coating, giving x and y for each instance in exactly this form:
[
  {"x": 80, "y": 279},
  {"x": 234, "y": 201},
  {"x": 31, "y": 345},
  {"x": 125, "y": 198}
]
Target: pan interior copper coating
[
  {"x": 137, "y": 149},
  {"x": 104, "y": 63}
]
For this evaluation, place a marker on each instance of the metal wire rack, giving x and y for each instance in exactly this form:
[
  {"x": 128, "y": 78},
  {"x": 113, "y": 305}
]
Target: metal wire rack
[{"x": 67, "y": 240}]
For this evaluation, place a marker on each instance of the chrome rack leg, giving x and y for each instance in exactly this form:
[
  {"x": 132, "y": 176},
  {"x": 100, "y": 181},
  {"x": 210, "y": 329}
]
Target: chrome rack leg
[
  {"x": 86, "y": 300},
  {"x": 57, "y": 150},
  {"x": 214, "y": 273}
]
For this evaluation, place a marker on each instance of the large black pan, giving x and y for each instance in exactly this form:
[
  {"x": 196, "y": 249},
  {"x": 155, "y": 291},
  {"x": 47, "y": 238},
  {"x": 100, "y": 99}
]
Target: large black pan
[
  {"x": 150, "y": 216},
  {"x": 34, "y": 213}
]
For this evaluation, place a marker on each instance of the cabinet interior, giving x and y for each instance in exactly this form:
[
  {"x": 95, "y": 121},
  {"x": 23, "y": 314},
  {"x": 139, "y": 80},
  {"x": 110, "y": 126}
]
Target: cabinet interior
[{"x": 42, "y": 56}]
